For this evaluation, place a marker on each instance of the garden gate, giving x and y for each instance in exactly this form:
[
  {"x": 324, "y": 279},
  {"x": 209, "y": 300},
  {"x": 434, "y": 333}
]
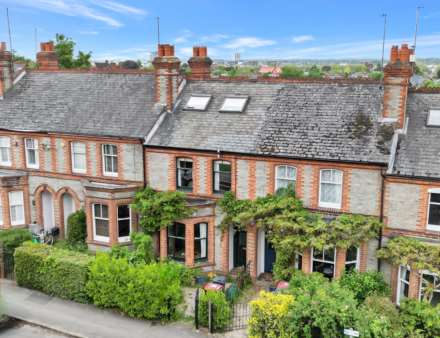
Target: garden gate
[{"x": 6, "y": 263}]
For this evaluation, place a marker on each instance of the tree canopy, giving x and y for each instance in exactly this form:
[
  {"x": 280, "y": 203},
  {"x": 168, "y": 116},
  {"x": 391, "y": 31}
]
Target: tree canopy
[{"x": 64, "y": 47}]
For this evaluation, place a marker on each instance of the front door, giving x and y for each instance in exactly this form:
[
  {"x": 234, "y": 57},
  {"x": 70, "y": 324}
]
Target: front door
[
  {"x": 239, "y": 248},
  {"x": 68, "y": 209},
  {"x": 269, "y": 256},
  {"x": 48, "y": 212}
]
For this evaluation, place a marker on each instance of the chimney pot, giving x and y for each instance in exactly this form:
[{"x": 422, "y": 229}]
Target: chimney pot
[
  {"x": 47, "y": 59},
  {"x": 404, "y": 53},
  {"x": 394, "y": 54},
  {"x": 203, "y": 51},
  {"x": 200, "y": 63},
  {"x": 195, "y": 51}
]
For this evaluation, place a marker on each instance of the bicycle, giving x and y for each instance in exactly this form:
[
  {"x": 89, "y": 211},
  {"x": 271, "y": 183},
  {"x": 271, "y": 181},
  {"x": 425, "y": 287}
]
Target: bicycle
[{"x": 45, "y": 236}]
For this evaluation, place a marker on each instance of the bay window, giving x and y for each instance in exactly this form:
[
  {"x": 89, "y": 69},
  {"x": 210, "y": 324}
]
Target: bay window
[
  {"x": 176, "y": 241},
  {"x": 330, "y": 189},
  {"x": 285, "y": 177},
  {"x": 430, "y": 287},
  {"x": 323, "y": 261},
  {"x": 352, "y": 259},
  {"x": 31, "y": 150},
  {"x": 403, "y": 283},
  {"x": 110, "y": 159},
  {"x": 16, "y": 207},
  {"x": 184, "y": 172},
  {"x": 201, "y": 241},
  {"x": 434, "y": 211},
  {"x": 222, "y": 176},
  {"x": 5, "y": 151},
  {"x": 79, "y": 161},
  {"x": 101, "y": 223},
  {"x": 124, "y": 223}
]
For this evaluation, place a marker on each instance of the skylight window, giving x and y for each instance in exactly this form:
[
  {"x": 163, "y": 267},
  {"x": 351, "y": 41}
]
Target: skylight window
[
  {"x": 198, "y": 102},
  {"x": 234, "y": 104},
  {"x": 434, "y": 117}
]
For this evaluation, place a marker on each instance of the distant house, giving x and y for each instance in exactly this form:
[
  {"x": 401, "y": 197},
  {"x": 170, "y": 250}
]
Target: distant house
[{"x": 273, "y": 71}]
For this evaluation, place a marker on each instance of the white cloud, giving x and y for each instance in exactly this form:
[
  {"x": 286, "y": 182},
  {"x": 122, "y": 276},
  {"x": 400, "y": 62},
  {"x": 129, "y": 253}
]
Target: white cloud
[
  {"x": 302, "y": 38},
  {"x": 119, "y": 8},
  {"x": 248, "y": 42},
  {"x": 183, "y": 37},
  {"x": 214, "y": 37},
  {"x": 88, "y": 32},
  {"x": 80, "y": 8}
]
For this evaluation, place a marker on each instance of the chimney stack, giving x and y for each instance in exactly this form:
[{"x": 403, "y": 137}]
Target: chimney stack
[
  {"x": 200, "y": 63},
  {"x": 397, "y": 75},
  {"x": 167, "y": 73},
  {"x": 47, "y": 59},
  {"x": 6, "y": 71}
]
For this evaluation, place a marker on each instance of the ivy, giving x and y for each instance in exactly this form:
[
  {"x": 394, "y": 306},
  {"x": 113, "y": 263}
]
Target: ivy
[
  {"x": 159, "y": 209},
  {"x": 409, "y": 251}
]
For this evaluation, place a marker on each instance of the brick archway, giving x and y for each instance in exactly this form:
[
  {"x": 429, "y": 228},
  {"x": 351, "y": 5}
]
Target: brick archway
[
  {"x": 60, "y": 202},
  {"x": 39, "y": 204}
]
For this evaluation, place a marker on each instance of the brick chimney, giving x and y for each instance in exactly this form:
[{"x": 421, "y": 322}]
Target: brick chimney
[
  {"x": 200, "y": 64},
  {"x": 6, "y": 71},
  {"x": 167, "y": 73},
  {"x": 397, "y": 74},
  {"x": 47, "y": 59}
]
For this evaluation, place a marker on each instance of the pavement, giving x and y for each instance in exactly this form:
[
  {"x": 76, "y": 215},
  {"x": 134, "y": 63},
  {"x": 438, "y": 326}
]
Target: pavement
[
  {"x": 84, "y": 320},
  {"x": 25, "y": 330}
]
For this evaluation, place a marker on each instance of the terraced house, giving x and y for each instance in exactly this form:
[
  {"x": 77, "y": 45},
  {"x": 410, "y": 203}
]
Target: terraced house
[{"x": 72, "y": 139}]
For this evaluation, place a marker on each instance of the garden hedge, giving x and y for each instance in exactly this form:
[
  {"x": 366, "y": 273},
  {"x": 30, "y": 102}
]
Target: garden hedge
[
  {"x": 149, "y": 291},
  {"x": 57, "y": 272},
  {"x": 76, "y": 228},
  {"x": 13, "y": 238}
]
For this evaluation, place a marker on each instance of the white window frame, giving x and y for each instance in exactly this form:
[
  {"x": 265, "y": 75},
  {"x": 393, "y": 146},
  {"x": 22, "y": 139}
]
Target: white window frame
[
  {"x": 436, "y": 277},
  {"x": 96, "y": 237},
  {"x": 313, "y": 259},
  {"x": 328, "y": 204},
  {"x": 179, "y": 171},
  {"x": 124, "y": 239},
  {"x": 20, "y": 221},
  {"x": 357, "y": 261},
  {"x": 285, "y": 178},
  {"x": 217, "y": 176},
  {"x": 226, "y": 109},
  {"x": 400, "y": 281},
  {"x": 5, "y": 143},
  {"x": 73, "y": 153},
  {"x": 198, "y": 106},
  {"x": 433, "y": 116},
  {"x": 432, "y": 227},
  {"x": 206, "y": 239},
  {"x": 35, "y": 165},
  {"x": 104, "y": 155}
]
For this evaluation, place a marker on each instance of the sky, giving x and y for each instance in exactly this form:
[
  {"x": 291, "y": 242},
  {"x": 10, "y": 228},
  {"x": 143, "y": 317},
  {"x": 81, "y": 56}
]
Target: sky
[{"x": 275, "y": 29}]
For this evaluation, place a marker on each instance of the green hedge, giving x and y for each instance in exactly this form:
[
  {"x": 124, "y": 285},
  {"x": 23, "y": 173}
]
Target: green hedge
[
  {"x": 150, "y": 291},
  {"x": 365, "y": 284},
  {"x": 13, "y": 238},
  {"x": 221, "y": 309},
  {"x": 57, "y": 272},
  {"x": 76, "y": 228}
]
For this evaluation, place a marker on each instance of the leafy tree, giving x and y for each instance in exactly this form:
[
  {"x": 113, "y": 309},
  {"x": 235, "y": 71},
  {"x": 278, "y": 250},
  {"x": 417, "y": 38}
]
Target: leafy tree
[
  {"x": 431, "y": 84},
  {"x": 142, "y": 252},
  {"x": 159, "y": 209},
  {"x": 420, "y": 318},
  {"x": 376, "y": 75},
  {"x": 437, "y": 73},
  {"x": 76, "y": 228},
  {"x": 291, "y": 71},
  {"x": 315, "y": 72},
  {"x": 19, "y": 58},
  {"x": 64, "y": 47},
  {"x": 365, "y": 284}
]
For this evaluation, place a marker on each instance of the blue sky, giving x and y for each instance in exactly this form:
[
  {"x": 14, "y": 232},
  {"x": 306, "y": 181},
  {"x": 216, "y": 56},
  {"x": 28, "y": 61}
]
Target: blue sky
[{"x": 122, "y": 29}]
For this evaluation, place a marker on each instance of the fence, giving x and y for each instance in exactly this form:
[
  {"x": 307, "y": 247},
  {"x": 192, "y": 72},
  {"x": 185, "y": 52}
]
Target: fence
[
  {"x": 238, "y": 318},
  {"x": 7, "y": 263}
]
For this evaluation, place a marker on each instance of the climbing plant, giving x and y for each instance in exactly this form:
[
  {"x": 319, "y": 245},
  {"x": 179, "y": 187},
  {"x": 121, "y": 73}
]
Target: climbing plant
[
  {"x": 412, "y": 252},
  {"x": 159, "y": 209}
]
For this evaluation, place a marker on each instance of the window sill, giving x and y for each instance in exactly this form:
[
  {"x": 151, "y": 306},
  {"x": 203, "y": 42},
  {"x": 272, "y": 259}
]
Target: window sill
[
  {"x": 430, "y": 227},
  {"x": 110, "y": 174}
]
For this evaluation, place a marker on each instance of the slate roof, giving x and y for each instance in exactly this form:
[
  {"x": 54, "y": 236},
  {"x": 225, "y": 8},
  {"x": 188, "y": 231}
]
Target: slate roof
[
  {"x": 418, "y": 153},
  {"x": 100, "y": 104},
  {"x": 330, "y": 121}
]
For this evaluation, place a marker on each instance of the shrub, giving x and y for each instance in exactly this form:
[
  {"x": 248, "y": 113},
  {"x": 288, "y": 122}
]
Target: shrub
[
  {"x": 76, "y": 228},
  {"x": 142, "y": 252},
  {"x": 321, "y": 308},
  {"x": 150, "y": 291},
  {"x": 365, "y": 284},
  {"x": 269, "y": 316},
  {"x": 13, "y": 238},
  {"x": 379, "y": 318},
  {"x": 420, "y": 318},
  {"x": 57, "y": 272},
  {"x": 221, "y": 309}
]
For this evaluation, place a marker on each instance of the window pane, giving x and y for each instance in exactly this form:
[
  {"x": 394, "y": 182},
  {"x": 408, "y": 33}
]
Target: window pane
[
  {"x": 29, "y": 143},
  {"x": 281, "y": 171},
  {"x": 31, "y": 156},
  {"x": 184, "y": 174},
  {"x": 434, "y": 118},
  {"x": 124, "y": 227},
  {"x": 327, "y": 269},
  {"x": 317, "y": 254},
  {"x": 176, "y": 248},
  {"x": 329, "y": 193},
  {"x": 180, "y": 230},
  {"x": 291, "y": 172},
  {"x": 97, "y": 210},
  {"x": 234, "y": 104},
  {"x": 198, "y": 102},
  {"x": 434, "y": 214},
  {"x": 102, "y": 227},
  {"x": 435, "y": 198},
  {"x": 123, "y": 211},
  {"x": 351, "y": 254},
  {"x": 329, "y": 255},
  {"x": 326, "y": 175},
  {"x": 104, "y": 209}
]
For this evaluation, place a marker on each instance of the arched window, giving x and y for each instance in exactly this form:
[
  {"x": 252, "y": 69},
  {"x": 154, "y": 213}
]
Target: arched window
[
  {"x": 221, "y": 176},
  {"x": 330, "y": 189},
  {"x": 285, "y": 177}
]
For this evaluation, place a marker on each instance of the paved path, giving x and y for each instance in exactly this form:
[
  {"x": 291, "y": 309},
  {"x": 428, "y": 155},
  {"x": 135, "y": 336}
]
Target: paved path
[
  {"x": 82, "y": 320},
  {"x": 24, "y": 330}
]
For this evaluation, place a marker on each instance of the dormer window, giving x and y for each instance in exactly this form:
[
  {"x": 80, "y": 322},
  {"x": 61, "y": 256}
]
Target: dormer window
[
  {"x": 198, "y": 102},
  {"x": 434, "y": 118},
  {"x": 234, "y": 104}
]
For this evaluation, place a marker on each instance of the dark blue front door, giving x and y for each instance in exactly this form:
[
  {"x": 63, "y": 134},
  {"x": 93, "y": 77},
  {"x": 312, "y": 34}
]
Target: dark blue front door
[{"x": 269, "y": 256}]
